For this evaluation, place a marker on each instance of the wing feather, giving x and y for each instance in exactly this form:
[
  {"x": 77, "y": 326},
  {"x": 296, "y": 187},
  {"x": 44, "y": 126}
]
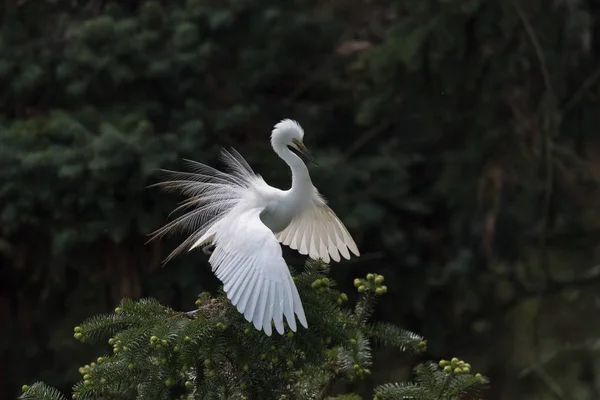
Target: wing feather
[
  {"x": 240, "y": 283},
  {"x": 254, "y": 300},
  {"x": 298, "y": 310},
  {"x": 319, "y": 233},
  {"x": 278, "y": 307},
  {"x": 287, "y": 235},
  {"x": 259, "y": 313},
  {"x": 245, "y": 295},
  {"x": 268, "y": 316},
  {"x": 248, "y": 260},
  {"x": 288, "y": 306}
]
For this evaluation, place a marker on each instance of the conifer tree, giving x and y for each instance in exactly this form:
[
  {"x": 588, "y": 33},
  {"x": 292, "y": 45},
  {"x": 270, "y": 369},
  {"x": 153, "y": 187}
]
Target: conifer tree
[{"x": 213, "y": 353}]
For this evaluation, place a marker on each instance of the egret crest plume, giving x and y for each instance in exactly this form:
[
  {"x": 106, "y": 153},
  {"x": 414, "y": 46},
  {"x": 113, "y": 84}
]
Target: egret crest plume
[{"x": 245, "y": 220}]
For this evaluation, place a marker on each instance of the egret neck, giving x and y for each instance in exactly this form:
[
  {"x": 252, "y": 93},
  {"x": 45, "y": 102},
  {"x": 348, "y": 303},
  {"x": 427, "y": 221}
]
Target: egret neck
[{"x": 302, "y": 190}]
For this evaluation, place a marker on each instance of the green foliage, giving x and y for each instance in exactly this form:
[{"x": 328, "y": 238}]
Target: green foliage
[
  {"x": 433, "y": 382},
  {"x": 455, "y": 142},
  {"x": 212, "y": 352},
  {"x": 350, "y": 396},
  {"x": 41, "y": 391},
  {"x": 97, "y": 96},
  {"x": 123, "y": 97}
]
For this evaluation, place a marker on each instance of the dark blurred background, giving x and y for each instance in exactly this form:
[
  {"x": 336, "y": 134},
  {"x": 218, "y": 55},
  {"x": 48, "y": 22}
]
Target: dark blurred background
[{"x": 457, "y": 139}]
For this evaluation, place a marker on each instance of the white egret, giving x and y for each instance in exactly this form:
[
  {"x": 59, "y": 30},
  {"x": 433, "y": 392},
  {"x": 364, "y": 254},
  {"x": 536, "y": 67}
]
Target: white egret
[{"x": 244, "y": 219}]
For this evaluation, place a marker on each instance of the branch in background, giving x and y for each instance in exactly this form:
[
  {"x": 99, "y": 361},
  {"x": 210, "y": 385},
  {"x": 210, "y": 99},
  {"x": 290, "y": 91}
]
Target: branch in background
[
  {"x": 554, "y": 387},
  {"x": 579, "y": 93},
  {"x": 588, "y": 345},
  {"x": 366, "y": 137},
  {"x": 305, "y": 84},
  {"x": 553, "y": 287},
  {"x": 536, "y": 46}
]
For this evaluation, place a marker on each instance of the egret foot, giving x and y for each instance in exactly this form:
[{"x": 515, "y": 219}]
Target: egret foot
[{"x": 208, "y": 250}]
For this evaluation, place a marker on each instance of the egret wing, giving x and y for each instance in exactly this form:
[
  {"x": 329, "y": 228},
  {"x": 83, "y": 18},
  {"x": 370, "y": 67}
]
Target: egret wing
[
  {"x": 319, "y": 233},
  {"x": 248, "y": 260}
]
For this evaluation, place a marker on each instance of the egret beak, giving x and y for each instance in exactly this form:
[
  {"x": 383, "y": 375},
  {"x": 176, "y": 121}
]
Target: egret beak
[{"x": 304, "y": 151}]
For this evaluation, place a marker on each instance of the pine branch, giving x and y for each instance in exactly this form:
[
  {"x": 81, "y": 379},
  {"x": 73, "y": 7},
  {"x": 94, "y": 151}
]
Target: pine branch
[
  {"x": 41, "y": 391},
  {"x": 390, "y": 335},
  {"x": 213, "y": 352},
  {"x": 401, "y": 391},
  {"x": 446, "y": 380}
]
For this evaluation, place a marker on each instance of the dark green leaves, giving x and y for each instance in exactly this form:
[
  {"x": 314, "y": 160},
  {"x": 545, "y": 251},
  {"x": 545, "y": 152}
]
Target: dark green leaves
[
  {"x": 41, "y": 391},
  {"x": 212, "y": 352}
]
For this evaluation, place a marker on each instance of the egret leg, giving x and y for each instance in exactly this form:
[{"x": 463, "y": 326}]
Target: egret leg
[{"x": 208, "y": 250}]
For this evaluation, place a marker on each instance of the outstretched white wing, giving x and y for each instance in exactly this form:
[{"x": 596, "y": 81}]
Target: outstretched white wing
[
  {"x": 319, "y": 233},
  {"x": 248, "y": 260}
]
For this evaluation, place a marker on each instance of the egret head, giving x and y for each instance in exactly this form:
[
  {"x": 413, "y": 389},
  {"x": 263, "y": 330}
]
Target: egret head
[{"x": 288, "y": 133}]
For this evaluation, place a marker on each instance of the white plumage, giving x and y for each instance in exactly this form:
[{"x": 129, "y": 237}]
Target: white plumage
[{"x": 244, "y": 218}]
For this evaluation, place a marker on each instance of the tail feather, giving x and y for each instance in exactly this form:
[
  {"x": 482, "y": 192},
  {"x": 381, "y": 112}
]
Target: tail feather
[
  {"x": 195, "y": 176},
  {"x": 191, "y": 188},
  {"x": 210, "y": 195},
  {"x": 192, "y": 241},
  {"x": 194, "y": 219},
  {"x": 238, "y": 165},
  {"x": 205, "y": 201},
  {"x": 203, "y": 169}
]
